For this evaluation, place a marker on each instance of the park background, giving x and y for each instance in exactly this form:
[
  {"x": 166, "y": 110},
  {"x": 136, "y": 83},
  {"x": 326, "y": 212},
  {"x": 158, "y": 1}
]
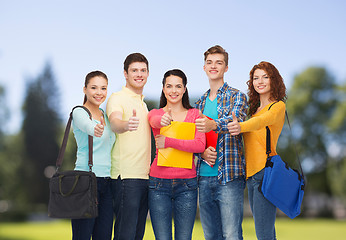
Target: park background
[{"x": 47, "y": 48}]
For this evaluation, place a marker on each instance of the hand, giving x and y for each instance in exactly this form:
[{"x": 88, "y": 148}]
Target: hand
[
  {"x": 160, "y": 141},
  {"x": 209, "y": 155},
  {"x": 133, "y": 122},
  {"x": 166, "y": 119},
  {"x": 234, "y": 126},
  {"x": 204, "y": 124},
  {"x": 99, "y": 128}
]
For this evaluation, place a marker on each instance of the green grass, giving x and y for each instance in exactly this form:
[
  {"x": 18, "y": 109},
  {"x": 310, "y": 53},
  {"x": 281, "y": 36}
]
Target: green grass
[{"x": 287, "y": 229}]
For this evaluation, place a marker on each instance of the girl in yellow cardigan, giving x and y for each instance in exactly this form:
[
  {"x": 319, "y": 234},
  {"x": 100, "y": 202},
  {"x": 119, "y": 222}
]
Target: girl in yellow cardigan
[{"x": 266, "y": 89}]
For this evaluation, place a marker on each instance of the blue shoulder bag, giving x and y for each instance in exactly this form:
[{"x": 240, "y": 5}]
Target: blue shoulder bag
[{"x": 282, "y": 185}]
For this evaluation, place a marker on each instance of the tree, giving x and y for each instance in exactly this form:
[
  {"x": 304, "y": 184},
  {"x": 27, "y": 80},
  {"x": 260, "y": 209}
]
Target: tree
[
  {"x": 3, "y": 115},
  {"x": 41, "y": 127},
  {"x": 311, "y": 103},
  {"x": 337, "y": 166}
]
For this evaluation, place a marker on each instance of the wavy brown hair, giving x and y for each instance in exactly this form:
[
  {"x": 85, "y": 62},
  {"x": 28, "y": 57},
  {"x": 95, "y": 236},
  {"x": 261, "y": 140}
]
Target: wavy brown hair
[{"x": 277, "y": 86}]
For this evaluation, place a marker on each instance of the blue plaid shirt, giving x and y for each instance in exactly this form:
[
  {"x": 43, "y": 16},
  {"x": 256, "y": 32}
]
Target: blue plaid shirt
[{"x": 231, "y": 153}]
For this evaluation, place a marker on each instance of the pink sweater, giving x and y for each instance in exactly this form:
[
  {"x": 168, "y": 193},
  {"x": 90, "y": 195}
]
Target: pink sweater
[{"x": 196, "y": 145}]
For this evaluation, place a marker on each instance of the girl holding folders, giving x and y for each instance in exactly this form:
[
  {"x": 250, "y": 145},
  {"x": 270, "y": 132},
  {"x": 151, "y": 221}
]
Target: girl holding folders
[
  {"x": 267, "y": 93},
  {"x": 95, "y": 90},
  {"x": 173, "y": 188}
]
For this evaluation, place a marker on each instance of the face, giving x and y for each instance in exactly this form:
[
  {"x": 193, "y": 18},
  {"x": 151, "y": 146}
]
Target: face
[
  {"x": 215, "y": 66},
  {"x": 174, "y": 89},
  {"x": 261, "y": 82},
  {"x": 136, "y": 77},
  {"x": 96, "y": 90}
]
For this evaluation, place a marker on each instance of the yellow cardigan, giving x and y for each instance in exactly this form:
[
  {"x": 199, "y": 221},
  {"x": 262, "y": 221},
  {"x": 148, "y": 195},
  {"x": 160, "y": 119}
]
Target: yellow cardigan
[{"x": 255, "y": 135}]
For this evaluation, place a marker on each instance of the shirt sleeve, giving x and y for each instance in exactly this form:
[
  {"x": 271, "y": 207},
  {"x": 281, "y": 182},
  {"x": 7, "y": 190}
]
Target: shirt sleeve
[
  {"x": 154, "y": 118},
  {"x": 114, "y": 104},
  {"x": 196, "y": 145},
  {"x": 268, "y": 118},
  {"x": 83, "y": 122},
  {"x": 239, "y": 108}
]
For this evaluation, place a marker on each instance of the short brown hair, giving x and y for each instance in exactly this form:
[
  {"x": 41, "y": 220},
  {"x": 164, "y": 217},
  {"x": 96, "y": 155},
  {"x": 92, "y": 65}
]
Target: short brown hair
[
  {"x": 135, "y": 57},
  {"x": 217, "y": 49}
]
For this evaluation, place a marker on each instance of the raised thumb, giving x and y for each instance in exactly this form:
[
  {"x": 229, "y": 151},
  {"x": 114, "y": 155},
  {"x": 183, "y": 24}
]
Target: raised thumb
[
  {"x": 234, "y": 117},
  {"x": 170, "y": 111},
  {"x": 134, "y": 113},
  {"x": 201, "y": 114},
  {"x": 102, "y": 120}
]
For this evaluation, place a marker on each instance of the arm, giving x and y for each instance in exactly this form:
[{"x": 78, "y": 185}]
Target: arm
[
  {"x": 196, "y": 145},
  {"x": 82, "y": 121},
  {"x": 239, "y": 108},
  {"x": 266, "y": 119},
  {"x": 120, "y": 126},
  {"x": 154, "y": 118}
]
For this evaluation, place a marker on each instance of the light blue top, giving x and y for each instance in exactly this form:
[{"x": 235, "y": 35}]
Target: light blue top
[
  {"x": 210, "y": 110},
  {"x": 102, "y": 146}
]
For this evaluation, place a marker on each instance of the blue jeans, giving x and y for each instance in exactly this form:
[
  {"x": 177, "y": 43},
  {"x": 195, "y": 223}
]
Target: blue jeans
[
  {"x": 263, "y": 211},
  {"x": 177, "y": 197},
  {"x": 99, "y": 228},
  {"x": 221, "y": 208},
  {"x": 130, "y": 198}
]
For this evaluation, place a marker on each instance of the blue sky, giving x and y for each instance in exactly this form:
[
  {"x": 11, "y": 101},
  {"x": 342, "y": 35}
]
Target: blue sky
[{"x": 81, "y": 36}]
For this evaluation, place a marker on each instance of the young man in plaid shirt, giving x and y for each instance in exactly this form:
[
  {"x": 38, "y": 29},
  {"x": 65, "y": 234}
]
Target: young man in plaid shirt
[{"x": 221, "y": 170}]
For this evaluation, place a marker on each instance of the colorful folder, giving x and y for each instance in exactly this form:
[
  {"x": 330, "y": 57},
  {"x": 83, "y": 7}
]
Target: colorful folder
[{"x": 170, "y": 157}]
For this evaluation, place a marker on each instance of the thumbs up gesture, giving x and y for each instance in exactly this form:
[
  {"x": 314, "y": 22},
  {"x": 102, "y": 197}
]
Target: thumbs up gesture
[
  {"x": 167, "y": 118},
  {"x": 234, "y": 126},
  {"x": 204, "y": 124},
  {"x": 133, "y": 121},
  {"x": 99, "y": 128}
]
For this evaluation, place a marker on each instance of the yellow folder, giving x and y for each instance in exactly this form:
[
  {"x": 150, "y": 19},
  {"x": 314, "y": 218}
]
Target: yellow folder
[{"x": 170, "y": 157}]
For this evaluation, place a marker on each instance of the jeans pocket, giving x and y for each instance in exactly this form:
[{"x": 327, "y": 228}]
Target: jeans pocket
[
  {"x": 154, "y": 184},
  {"x": 191, "y": 184},
  {"x": 258, "y": 177}
]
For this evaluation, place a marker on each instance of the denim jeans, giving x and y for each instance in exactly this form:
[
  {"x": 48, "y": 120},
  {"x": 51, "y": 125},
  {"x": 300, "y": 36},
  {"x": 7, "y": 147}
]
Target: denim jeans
[
  {"x": 99, "y": 228},
  {"x": 177, "y": 197},
  {"x": 130, "y": 199},
  {"x": 221, "y": 208},
  {"x": 263, "y": 211}
]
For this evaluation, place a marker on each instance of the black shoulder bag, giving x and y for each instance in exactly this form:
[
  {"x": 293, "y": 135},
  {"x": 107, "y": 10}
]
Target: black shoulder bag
[{"x": 73, "y": 194}]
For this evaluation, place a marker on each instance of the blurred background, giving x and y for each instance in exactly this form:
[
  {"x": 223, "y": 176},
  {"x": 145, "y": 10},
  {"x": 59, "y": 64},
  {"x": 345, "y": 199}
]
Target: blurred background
[{"x": 47, "y": 48}]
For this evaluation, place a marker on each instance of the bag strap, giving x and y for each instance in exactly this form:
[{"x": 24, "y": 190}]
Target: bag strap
[
  {"x": 64, "y": 141},
  {"x": 268, "y": 142}
]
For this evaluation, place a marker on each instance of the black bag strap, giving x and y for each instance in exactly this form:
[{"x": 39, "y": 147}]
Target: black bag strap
[
  {"x": 268, "y": 142},
  {"x": 64, "y": 141}
]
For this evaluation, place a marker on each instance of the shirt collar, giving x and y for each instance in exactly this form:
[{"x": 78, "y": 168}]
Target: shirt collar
[
  {"x": 223, "y": 88},
  {"x": 133, "y": 94}
]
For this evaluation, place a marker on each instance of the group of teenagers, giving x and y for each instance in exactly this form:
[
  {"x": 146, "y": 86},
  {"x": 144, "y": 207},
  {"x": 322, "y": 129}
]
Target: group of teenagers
[{"x": 130, "y": 185}]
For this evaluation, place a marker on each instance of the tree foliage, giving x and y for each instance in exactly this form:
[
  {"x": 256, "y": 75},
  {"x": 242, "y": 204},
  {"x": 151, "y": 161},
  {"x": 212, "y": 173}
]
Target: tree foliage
[
  {"x": 41, "y": 127},
  {"x": 3, "y": 115},
  {"x": 317, "y": 111}
]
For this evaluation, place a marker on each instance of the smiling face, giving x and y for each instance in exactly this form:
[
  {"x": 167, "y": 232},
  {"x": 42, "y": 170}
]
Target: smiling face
[
  {"x": 215, "y": 66},
  {"x": 261, "y": 82},
  {"x": 96, "y": 90},
  {"x": 136, "y": 76},
  {"x": 174, "y": 89}
]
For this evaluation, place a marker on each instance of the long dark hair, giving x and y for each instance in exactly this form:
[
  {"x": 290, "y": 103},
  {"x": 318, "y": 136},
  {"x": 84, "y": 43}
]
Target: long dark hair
[
  {"x": 181, "y": 74},
  {"x": 277, "y": 86},
  {"x": 90, "y": 76}
]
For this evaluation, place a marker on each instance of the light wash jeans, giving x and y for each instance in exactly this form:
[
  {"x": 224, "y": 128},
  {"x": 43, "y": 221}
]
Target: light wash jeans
[
  {"x": 177, "y": 197},
  {"x": 263, "y": 211},
  {"x": 221, "y": 208}
]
